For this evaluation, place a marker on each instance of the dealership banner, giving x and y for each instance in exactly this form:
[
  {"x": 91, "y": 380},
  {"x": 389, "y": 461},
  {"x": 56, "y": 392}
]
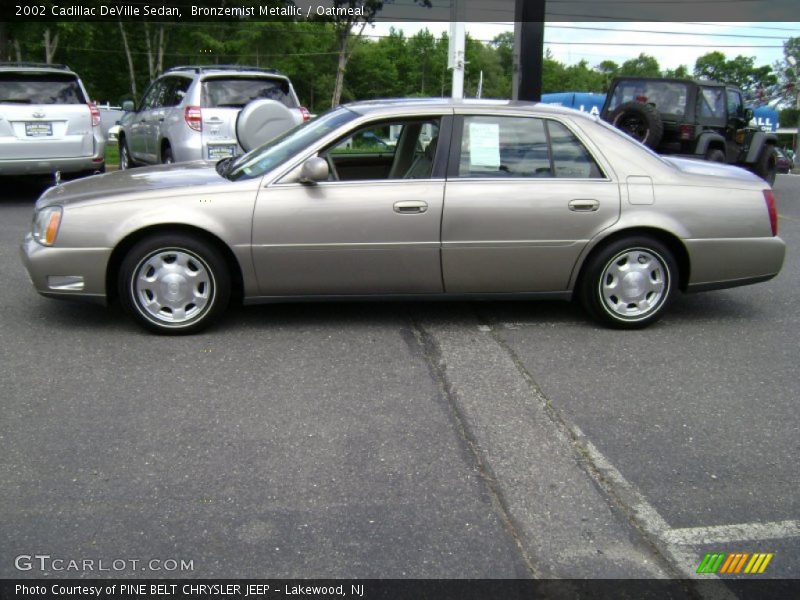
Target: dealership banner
[
  {"x": 391, "y": 589},
  {"x": 488, "y": 11}
]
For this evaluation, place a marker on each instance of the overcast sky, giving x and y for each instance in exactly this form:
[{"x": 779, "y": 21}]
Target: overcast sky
[{"x": 596, "y": 37}]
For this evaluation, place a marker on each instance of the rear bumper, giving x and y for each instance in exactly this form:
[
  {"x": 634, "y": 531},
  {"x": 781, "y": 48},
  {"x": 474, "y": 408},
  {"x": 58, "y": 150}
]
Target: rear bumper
[
  {"x": 48, "y": 268},
  {"x": 43, "y": 166},
  {"x": 723, "y": 263}
]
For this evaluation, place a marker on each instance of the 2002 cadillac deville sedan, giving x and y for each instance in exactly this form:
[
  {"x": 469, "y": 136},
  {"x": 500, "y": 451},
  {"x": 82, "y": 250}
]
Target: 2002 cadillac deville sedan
[{"x": 410, "y": 198}]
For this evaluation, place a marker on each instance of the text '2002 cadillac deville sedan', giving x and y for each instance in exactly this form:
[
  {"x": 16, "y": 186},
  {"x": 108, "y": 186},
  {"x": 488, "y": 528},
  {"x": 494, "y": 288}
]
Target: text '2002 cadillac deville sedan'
[{"x": 410, "y": 199}]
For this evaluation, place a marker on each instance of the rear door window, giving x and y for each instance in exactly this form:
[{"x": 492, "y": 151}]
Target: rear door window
[
  {"x": 236, "y": 92},
  {"x": 40, "y": 88}
]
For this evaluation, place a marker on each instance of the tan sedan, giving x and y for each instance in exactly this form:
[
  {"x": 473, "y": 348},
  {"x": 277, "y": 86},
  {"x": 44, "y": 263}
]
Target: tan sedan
[{"x": 410, "y": 199}]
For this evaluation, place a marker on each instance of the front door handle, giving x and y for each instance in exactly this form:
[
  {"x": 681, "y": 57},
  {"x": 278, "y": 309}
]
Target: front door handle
[
  {"x": 410, "y": 207},
  {"x": 584, "y": 205}
]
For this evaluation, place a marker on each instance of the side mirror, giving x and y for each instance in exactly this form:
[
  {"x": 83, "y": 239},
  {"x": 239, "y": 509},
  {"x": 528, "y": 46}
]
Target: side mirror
[
  {"x": 748, "y": 114},
  {"x": 313, "y": 170},
  {"x": 128, "y": 106}
]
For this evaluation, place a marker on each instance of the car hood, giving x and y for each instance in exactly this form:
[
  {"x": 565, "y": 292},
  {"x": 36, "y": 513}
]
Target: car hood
[
  {"x": 715, "y": 169},
  {"x": 132, "y": 181}
]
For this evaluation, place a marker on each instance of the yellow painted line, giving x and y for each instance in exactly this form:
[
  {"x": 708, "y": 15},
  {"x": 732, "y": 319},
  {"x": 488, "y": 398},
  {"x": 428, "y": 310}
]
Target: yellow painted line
[
  {"x": 758, "y": 563},
  {"x": 749, "y": 567},
  {"x": 766, "y": 562},
  {"x": 780, "y": 216}
]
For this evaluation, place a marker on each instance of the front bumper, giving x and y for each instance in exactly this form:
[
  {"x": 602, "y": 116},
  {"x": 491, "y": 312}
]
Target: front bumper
[{"x": 50, "y": 267}]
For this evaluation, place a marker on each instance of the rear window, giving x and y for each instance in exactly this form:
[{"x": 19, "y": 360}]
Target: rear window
[
  {"x": 669, "y": 97},
  {"x": 235, "y": 92},
  {"x": 40, "y": 88}
]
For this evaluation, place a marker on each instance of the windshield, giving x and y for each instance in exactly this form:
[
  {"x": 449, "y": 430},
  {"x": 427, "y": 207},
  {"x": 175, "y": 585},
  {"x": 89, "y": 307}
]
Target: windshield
[
  {"x": 40, "y": 88},
  {"x": 238, "y": 91},
  {"x": 280, "y": 149},
  {"x": 669, "y": 97}
]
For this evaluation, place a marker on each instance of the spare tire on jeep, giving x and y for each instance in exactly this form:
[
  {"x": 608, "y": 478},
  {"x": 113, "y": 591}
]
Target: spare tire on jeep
[{"x": 640, "y": 121}]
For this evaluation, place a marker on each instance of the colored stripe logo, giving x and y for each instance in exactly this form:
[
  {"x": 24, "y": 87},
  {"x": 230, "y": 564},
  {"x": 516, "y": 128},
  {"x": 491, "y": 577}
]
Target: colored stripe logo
[{"x": 735, "y": 563}]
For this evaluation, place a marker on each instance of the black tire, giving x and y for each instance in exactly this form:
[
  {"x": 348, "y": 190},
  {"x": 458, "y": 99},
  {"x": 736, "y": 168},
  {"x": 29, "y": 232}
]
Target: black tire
[
  {"x": 166, "y": 155},
  {"x": 125, "y": 160},
  {"x": 601, "y": 274},
  {"x": 766, "y": 166},
  {"x": 640, "y": 121},
  {"x": 715, "y": 155},
  {"x": 184, "y": 298}
]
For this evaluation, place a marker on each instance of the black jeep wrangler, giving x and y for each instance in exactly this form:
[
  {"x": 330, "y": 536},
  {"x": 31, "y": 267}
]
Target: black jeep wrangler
[{"x": 695, "y": 119}]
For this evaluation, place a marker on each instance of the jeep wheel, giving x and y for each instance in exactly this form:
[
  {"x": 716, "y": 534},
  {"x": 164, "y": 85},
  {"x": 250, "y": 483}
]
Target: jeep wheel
[
  {"x": 715, "y": 155},
  {"x": 640, "y": 121},
  {"x": 767, "y": 165}
]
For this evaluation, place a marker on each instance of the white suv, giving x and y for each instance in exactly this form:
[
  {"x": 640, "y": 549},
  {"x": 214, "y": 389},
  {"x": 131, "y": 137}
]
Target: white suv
[
  {"x": 47, "y": 122},
  {"x": 190, "y": 113}
]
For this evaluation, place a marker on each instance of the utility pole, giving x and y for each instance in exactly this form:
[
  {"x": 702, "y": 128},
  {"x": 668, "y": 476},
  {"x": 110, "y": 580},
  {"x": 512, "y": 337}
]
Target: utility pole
[
  {"x": 456, "y": 48},
  {"x": 528, "y": 49}
]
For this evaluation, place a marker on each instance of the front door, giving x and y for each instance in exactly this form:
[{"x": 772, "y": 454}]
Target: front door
[{"x": 373, "y": 228}]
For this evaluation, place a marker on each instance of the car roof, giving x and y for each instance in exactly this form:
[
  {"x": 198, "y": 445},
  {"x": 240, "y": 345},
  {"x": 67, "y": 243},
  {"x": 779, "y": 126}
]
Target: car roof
[
  {"x": 22, "y": 67},
  {"x": 705, "y": 82},
  {"x": 192, "y": 70},
  {"x": 392, "y": 104}
]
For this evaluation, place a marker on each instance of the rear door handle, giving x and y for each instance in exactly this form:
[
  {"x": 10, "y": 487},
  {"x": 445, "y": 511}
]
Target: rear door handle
[
  {"x": 410, "y": 207},
  {"x": 583, "y": 205}
]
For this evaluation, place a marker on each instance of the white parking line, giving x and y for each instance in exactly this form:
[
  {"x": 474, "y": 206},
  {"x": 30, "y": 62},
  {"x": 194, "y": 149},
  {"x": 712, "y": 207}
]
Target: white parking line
[
  {"x": 673, "y": 541},
  {"x": 742, "y": 532}
]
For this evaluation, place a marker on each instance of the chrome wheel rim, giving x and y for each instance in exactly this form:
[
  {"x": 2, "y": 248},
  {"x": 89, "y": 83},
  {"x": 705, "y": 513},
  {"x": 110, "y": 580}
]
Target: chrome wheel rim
[
  {"x": 173, "y": 287},
  {"x": 634, "y": 284},
  {"x": 123, "y": 158}
]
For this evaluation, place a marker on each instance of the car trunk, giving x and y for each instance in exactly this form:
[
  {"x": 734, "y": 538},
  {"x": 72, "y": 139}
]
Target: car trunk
[
  {"x": 223, "y": 97},
  {"x": 44, "y": 116}
]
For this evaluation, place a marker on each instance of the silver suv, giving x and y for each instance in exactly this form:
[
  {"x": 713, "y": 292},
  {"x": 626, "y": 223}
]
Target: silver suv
[
  {"x": 47, "y": 122},
  {"x": 190, "y": 113}
]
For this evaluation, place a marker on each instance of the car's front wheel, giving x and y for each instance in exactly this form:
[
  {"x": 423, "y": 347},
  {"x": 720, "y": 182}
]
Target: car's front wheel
[
  {"x": 629, "y": 283},
  {"x": 174, "y": 283},
  {"x": 767, "y": 165},
  {"x": 125, "y": 160}
]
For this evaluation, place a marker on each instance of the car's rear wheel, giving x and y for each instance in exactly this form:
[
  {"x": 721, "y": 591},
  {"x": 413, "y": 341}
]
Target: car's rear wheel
[
  {"x": 715, "y": 155},
  {"x": 174, "y": 283},
  {"x": 166, "y": 155},
  {"x": 629, "y": 283},
  {"x": 767, "y": 165},
  {"x": 125, "y": 160}
]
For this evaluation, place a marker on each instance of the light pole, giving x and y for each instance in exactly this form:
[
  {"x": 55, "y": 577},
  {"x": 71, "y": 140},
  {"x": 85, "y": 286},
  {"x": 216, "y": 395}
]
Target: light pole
[{"x": 793, "y": 61}]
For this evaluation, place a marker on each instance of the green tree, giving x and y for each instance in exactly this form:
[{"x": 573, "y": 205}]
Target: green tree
[
  {"x": 739, "y": 71},
  {"x": 643, "y": 65}
]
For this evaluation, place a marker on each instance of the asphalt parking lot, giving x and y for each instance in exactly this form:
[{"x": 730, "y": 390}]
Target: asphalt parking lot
[{"x": 450, "y": 440}]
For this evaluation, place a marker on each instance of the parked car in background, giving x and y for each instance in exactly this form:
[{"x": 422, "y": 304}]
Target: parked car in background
[
  {"x": 694, "y": 119},
  {"x": 507, "y": 200},
  {"x": 190, "y": 113},
  {"x": 47, "y": 122},
  {"x": 783, "y": 163}
]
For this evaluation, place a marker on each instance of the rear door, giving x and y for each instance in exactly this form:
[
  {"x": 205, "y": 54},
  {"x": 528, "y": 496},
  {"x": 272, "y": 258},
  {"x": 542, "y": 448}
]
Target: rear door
[
  {"x": 141, "y": 124},
  {"x": 223, "y": 96},
  {"x": 44, "y": 115},
  {"x": 524, "y": 195}
]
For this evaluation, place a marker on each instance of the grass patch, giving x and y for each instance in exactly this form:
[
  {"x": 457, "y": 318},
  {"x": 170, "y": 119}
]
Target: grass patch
[{"x": 112, "y": 155}]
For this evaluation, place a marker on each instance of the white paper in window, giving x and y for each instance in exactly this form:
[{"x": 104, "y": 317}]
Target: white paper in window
[{"x": 484, "y": 145}]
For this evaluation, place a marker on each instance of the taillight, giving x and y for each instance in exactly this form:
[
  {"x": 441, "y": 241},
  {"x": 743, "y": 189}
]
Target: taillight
[
  {"x": 95, "y": 114},
  {"x": 305, "y": 113},
  {"x": 769, "y": 197},
  {"x": 687, "y": 132},
  {"x": 193, "y": 117}
]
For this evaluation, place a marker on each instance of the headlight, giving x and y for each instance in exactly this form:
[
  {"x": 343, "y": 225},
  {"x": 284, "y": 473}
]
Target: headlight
[{"x": 45, "y": 225}]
